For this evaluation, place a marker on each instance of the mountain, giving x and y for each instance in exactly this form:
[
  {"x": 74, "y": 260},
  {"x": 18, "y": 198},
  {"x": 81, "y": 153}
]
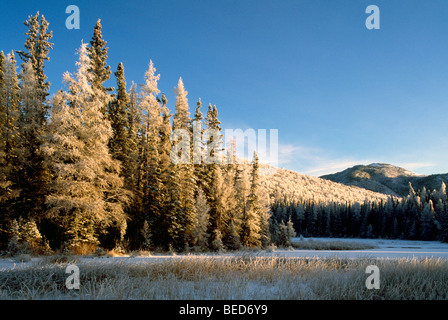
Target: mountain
[
  {"x": 386, "y": 178},
  {"x": 282, "y": 184}
]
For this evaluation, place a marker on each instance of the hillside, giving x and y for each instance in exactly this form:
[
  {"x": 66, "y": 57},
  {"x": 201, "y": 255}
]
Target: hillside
[
  {"x": 282, "y": 183},
  {"x": 386, "y": 178}
]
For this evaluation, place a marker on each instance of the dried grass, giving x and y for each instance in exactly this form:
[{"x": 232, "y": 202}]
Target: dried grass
[{"x": 238, "y": 277}]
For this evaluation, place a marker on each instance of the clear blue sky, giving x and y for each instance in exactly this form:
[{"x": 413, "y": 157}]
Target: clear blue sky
[{"x": 338, "y": 93}]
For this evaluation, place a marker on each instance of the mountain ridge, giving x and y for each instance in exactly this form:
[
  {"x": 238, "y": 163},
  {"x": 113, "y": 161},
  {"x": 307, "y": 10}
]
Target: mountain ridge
[
  {"x": 284, "y": 184},
  {"x": 386, "y": 178}
]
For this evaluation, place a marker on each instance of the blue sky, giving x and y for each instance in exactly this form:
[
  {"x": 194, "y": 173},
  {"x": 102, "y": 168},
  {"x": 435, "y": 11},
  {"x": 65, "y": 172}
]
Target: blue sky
[{"x": 338, "y": 93}]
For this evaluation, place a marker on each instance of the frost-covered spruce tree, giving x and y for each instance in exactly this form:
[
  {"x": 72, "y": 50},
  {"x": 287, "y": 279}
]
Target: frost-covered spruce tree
[
  {"x": 153, "y": 192},
  {"x": 4, "y": 175},
  {"x": 30, "y": 234},
  {"x": 86, "y": 193},
  {"x": 265, "y": 233},
  {"x": 14, "y": 237},
  {"x": 37, "y": 47},
  {"x": 213, "y": 180},
  {"x": 226, "y": 202},
  {"x": 241, "y": 185},
  {"x": 9, "y": 113},
  {"x": 285, "y": 233},
  {"x": 130, "y": 163},
  {"x": 185, "y": 174},
  {"x": 117, "y": 113},
  {"x": 131, "y": 168},
  {"x": 233, "y": 239},
  {"x": 213, "y": 143},
  {"x": 98, "y": 59},
  {"x": 100, "y": 71},
  {"x": 168, "y": 224},
  {"x": 227, "y": 206},
  {"x": 147, "y": 236},
  {"x": 181, "y": 119},
  {"x": 33, "y": 175},
  {"x": 197, "y": 146},
  {"x": 9, "y": 131},
  {"x": 427, "y": 221},
  {"x": 174, "y": 215},
  {"x": 165, "y": 134},
  {"x": 25, "y": 237},
  {"x": 170, "y": 187},
  {"x": 120, "y": 144},
  {"x": 165, "y": 139},
  {"x": 251, "y": 221},
  {"x": 214, "y": 199},
  {"x": 229, "y": 200},
  {"x": 200, "y": 238}
]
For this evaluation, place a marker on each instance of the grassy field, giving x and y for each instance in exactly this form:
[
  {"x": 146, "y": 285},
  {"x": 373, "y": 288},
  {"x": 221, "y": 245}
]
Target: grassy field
[{"x": 243, "y": 277}]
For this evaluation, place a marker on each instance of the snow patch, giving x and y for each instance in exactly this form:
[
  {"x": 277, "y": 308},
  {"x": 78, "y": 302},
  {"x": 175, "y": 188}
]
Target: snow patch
[{"x": 376, "y": 165}]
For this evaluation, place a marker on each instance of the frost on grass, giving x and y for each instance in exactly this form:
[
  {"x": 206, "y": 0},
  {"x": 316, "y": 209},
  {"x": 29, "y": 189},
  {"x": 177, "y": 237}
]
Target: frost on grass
[{"x": 226, "y": 277}]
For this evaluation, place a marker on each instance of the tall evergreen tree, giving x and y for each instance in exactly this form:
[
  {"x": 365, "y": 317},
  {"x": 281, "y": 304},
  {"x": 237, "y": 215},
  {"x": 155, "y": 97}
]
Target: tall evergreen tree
[
  {"x": 130, "y": 166},
  {"x": 187, "y": 184},
  {"x": 98, "y": 59},
  {"x": 132, "y": 171},
  {"x": 286, "y": 232},
  {"x": 213, "y": 137},
  {"x": 213, "y": 179},
  {"x": 98, "y": 68},
  {"x": 2, "y": 77},
  {"x": 118, "y": 144},
  {"x": 174, "y": 218},
  {"x": 200, "y": 239},
  {"x": 197, "y": 146},
  {"x": 214, "y": 198},
  {"x": 165, "y": 134},
  {"x": 37, "y": 47},
  {"x": 169, "y": 222},
  {"x": 251, "y": 228},
  {"x": 427, "y": 221},
  {"x": 32, "y": 175},
  {"x": 181, "y": 119},
  {"x": 153, "y": 197},
  {"x": 4, "y": 174},
  {"x": 86, "y": 193},
  {"x": 9, "y": 131},
  {"x": 241, "y": 185},
  {"x": 232, "y": 220}
]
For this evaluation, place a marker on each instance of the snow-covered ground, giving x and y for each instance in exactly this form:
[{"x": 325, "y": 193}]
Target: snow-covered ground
[{"x": 387, "y": 249}]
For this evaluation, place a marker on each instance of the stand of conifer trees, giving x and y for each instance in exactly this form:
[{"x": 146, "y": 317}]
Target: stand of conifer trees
[
  {"x": 422, "y": 215},
  {"x": 91, "y": 166}
]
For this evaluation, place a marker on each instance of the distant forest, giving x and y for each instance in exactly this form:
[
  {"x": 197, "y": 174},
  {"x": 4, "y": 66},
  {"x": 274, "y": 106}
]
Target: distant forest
[
  {"x": 91, "y": 167},
  {"x": 422, "y": 215}
]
